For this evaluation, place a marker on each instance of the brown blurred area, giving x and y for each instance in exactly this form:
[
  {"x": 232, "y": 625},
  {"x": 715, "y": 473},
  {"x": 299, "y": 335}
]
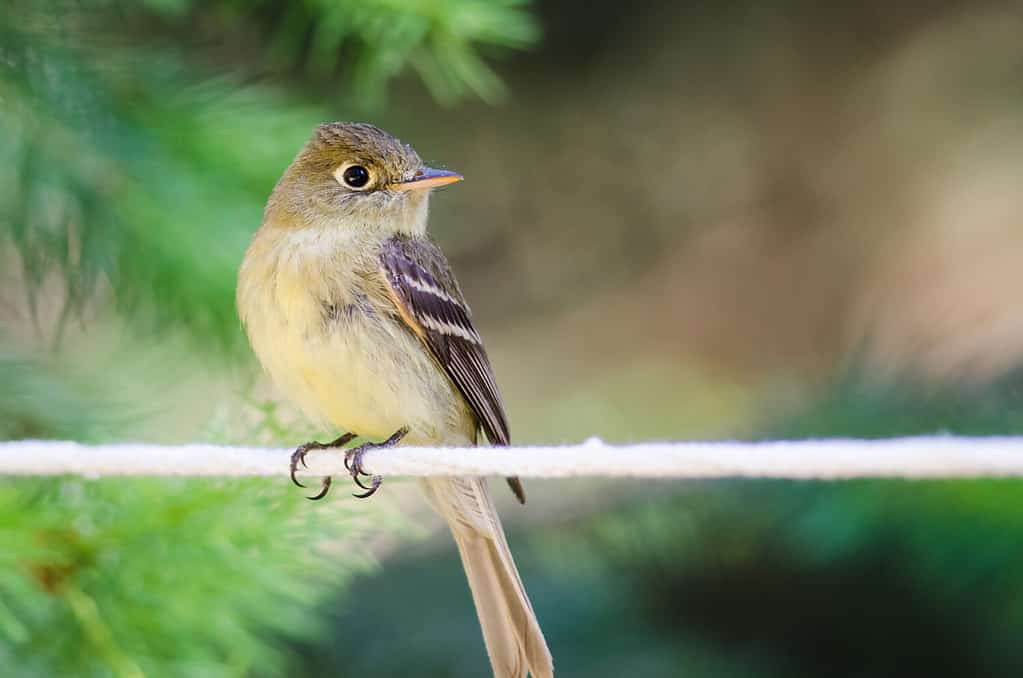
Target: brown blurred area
[{"x": 741, "y": 195}]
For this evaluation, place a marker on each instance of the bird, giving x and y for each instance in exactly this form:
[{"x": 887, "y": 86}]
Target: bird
[{"x": 355, "y": 314}]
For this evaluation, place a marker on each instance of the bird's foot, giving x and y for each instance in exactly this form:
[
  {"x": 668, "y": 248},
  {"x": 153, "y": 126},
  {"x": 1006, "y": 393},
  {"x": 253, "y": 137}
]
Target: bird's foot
[
  {"x": 353, "y": 462},
  {"x": 298, "y": 457}
]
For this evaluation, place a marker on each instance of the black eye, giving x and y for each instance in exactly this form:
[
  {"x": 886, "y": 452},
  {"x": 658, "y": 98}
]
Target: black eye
[{"x": 356, "y": 176}]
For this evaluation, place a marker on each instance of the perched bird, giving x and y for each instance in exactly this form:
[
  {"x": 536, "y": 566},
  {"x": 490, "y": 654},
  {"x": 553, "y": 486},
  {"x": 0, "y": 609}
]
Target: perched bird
[{"x": 355, "y": 314}]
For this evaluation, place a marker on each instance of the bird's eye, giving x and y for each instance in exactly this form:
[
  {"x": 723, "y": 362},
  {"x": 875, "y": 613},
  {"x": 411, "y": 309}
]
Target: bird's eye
[{"x": 355, "y": 176}]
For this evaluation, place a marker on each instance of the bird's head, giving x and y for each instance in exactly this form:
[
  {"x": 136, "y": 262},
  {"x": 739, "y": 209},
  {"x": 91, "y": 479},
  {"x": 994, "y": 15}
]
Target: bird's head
[{"x": 355, "y": 175}]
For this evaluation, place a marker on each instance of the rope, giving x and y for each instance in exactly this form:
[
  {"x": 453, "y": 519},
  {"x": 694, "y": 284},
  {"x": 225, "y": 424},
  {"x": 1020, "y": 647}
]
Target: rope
[{"x": 920, "y": 457}]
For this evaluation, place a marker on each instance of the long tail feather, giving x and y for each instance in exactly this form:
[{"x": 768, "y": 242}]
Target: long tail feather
[{"x": 512, "y": 634}]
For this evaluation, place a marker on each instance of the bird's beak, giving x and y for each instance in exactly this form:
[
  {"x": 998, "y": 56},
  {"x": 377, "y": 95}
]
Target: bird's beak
[{"x": 427, "y": 178}]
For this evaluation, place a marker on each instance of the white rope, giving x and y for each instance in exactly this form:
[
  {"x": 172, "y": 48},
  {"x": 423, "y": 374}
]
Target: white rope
[{"x": 922, "y": 457}]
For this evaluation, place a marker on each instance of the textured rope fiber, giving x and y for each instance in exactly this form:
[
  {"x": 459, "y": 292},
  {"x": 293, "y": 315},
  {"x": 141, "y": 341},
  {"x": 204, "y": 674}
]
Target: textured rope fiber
[{"x": 920, "y": 457}]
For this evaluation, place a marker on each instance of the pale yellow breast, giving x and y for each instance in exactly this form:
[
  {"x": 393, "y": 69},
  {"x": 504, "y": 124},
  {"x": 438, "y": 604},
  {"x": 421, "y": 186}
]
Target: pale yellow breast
[{"x": 326, "y": 336}]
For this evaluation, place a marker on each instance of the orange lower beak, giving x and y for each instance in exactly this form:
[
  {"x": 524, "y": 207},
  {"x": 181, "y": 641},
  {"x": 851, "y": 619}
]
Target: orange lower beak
[{"x": 427, "y": 178}]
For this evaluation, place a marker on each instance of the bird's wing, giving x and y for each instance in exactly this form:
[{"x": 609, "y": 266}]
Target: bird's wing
[{"x": 428, "y": 299}]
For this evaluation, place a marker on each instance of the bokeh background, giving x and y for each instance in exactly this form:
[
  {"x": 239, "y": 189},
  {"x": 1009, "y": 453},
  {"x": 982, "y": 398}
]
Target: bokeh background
[{"x": 680, "y": 220}]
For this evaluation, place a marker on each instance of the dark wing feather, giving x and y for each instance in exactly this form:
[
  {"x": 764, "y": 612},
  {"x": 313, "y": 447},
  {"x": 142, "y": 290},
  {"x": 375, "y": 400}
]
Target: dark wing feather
[{"x": 431, "y": 304}]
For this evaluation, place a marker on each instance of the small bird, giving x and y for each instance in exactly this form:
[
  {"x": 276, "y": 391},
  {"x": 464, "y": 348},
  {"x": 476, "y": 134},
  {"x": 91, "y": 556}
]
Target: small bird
[{"x": 355, "y": 314}]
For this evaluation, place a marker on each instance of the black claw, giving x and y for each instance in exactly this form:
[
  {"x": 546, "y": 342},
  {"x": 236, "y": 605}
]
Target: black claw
[
  {"x": 353, "y": 463},
  {"x": 323, "y": 490},
  {"x": 355, "y": 479},
  {"x": 296, "y": 457},
  {"x": 377, "y": 480},
  {"x": 356, "y": 464}
]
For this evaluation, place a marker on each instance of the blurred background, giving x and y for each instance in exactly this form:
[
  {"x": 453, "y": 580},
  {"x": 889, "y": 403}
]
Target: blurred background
[{"x": 679, "y": 221}]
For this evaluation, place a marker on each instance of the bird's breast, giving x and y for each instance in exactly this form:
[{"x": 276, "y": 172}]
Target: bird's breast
[{"x": 323, "y": 331}]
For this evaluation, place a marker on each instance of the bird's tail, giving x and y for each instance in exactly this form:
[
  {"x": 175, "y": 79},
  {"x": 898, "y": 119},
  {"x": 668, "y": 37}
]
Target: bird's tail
[{"x": 515, "y": 643}]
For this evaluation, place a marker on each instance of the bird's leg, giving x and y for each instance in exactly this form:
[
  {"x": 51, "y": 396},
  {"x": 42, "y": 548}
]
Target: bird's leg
[
  {"x": 353, "y": 461},
  {"x": 298, "y": 457}
]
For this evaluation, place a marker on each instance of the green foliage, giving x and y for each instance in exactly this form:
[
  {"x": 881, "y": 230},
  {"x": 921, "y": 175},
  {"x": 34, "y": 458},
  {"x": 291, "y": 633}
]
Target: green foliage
[
  {"x": 863, "y": 406},
  {"x": 801, "y": 577},
  {"x": 37, "y": 402},
  {"x": 364, "y": 42},
  {"x": 163, "y": 577},
  {"x": 122, "y": 161},
  {"x": 166, "y": 577},
  {"x": 374, "y": 40}
]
